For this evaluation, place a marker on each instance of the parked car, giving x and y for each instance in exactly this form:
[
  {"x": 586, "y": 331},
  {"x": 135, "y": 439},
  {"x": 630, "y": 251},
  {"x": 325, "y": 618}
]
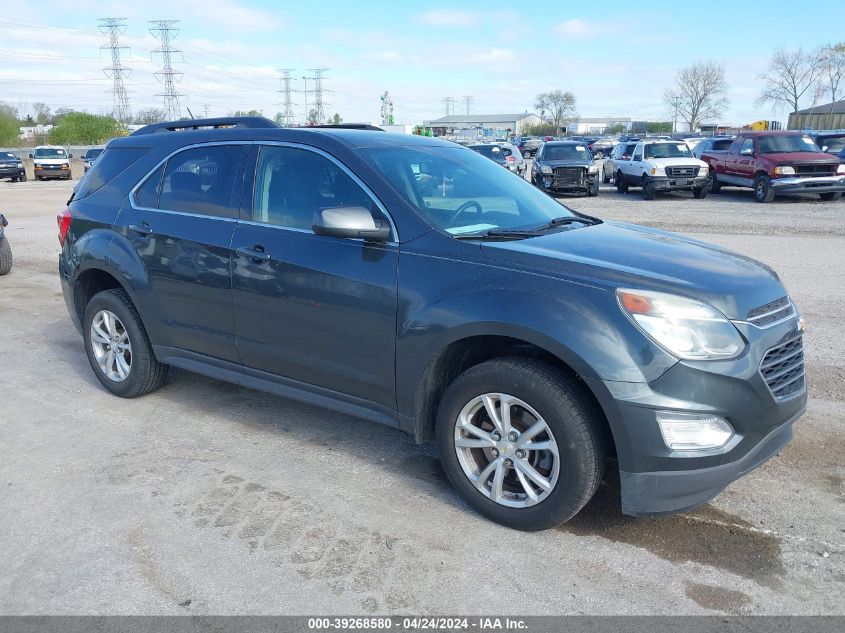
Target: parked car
[
  {"x": 12, "y": 167},
  {"x": 504, "y": 154},
  {"x": 623, "y": 151},
  {"x": 404, "y": 280},
  {"x": 90, "y": 156},
  {"x": 602, "y": 147},
  {"x": 713, "y": 145},
  {"x": 775, "y": 163},
  {"x": 528, "y": 147},
  {"x": 830, "y": 142},
  {"x": 5, "y": 249},
  {"x": 662, "y": 165},
  {"x": 51, "y": 162},
  {"x": 566, "y": 166}
]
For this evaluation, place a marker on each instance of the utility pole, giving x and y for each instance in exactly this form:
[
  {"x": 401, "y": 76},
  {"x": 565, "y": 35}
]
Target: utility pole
[
  {"x": 115, "y": 27},
  {"x": 449, "y": 105},
  {"x": 318, "y": 93},
  {"x": 305, "y": 95},
  {"x": 287, "y": 116},
  {"x": 165, "y": 31},
  {"x": 205, "y": 111},
  {"x": 468, "y": 104}
]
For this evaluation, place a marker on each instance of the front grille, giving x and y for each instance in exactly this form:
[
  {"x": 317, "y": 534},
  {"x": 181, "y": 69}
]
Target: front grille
[
  {"x": 683, "y": 171},
  {"x": 773, "y": 311},
  {"x": 569, "y": 176},
  {"x": 783, "y": 369},
  {"x": 815, "y": 170}
]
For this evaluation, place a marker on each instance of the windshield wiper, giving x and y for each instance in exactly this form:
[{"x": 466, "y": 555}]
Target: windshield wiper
[
  {"x": 567, "y": 219},
  {"x": 498, "y": 234}
]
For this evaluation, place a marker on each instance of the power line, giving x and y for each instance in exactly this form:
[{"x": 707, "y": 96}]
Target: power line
[
  {"x": 318, "y": 90},
  {"x": 164, "y": 30},
  {"x": 115, "y": 27},
  {"x": 288, "y": 117}
]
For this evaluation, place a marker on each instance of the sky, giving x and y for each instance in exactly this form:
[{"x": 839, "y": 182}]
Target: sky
[{"x": 617, "y": 57}]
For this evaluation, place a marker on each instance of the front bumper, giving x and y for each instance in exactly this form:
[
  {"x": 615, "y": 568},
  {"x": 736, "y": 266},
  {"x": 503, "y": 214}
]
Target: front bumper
[
  {"x": 658, "y": 480},
  {"x": 43, "y": 172},
  {"x": 11, "y": 172},
  {"x": 821, "y": 184},
  {"x": 591, "y": 181},
  {"x": 667, "y": 183}
]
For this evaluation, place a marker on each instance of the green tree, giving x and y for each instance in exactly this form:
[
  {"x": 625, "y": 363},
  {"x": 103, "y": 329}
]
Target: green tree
[
  {"x": 84, "y": 129},
  {"x": 335, "y": 120},
  {"x": 659, "y": 127},
  {"x": 9, "y": 126},
  {"x": 313, "y": 117},
  {"x": 540, "y": 129},
  {"x": 616, "y": 129},
  {"x": 42, "y": 113}
]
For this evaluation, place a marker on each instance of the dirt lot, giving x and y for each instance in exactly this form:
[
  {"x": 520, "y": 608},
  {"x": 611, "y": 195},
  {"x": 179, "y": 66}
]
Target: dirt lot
[{"x": 206, "y": 498}]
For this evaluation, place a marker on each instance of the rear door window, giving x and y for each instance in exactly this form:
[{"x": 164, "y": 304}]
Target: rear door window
[
  {"x": 201, "y": 180},
  {"x": 112, "y": 162}
]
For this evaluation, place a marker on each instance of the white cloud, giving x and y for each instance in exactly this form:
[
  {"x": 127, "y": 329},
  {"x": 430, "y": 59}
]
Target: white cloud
[
  {"x": 449, "y": 17},
  {"x": 578, "y": 29}
]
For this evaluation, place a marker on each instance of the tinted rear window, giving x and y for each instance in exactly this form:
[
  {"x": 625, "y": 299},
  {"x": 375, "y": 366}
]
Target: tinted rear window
[
  {"x": 112, "y": 162},
  {"x": 723, "y": 144}
]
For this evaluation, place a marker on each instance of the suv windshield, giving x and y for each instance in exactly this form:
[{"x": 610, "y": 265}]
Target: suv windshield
[
  {"x": 5, "y": 155},
  {"x": 492, "y": 151},
  {"x": 50, "y": 152},
  {"x": 462, "y": 192},
  {"x": 667, "y": 150},
  {"x": 566, "y": 152},
  {"x": 834, "y": 144},
  {"x": 91, "y": 154},
  {"x": 791, "y": 143}
]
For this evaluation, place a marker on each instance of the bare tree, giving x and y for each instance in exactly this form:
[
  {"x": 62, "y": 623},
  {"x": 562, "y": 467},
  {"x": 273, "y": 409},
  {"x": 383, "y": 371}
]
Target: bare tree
[
  {"x": 147, "y": 117},
  {"x": 698, "y": 93},
  {"x": 790, "y": 76},
  {"x": 832, "y": 76},
  {"x": 556, "y": 107}
]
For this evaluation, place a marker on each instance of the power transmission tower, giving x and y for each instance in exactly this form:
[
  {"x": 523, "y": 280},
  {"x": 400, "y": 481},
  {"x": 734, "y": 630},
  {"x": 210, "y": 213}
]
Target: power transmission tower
[
  {"x": 165, "y": 31},
  {"x": 288, "y": 117},
  {"x": 115, "y": 27},
  {"x": 468, "y": 104},
  {"x": 449, "y": 104},
  {"x": 318, "y": 90}
]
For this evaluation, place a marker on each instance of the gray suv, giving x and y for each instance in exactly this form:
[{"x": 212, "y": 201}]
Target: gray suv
[{"x": 415, "y": 283}]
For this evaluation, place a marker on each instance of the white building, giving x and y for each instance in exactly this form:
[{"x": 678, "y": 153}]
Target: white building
[
  {"x": 30, "y": 132},
  {"x": 482, "y": 125}
]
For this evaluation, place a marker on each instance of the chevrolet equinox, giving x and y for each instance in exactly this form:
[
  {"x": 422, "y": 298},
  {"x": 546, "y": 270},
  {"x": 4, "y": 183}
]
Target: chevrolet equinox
[{"x": 414, "y": 282}]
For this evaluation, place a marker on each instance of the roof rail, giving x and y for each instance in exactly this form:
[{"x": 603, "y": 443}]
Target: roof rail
[
  {"x": 196, "y": 124},
  {"x": 350, "y": 126}
]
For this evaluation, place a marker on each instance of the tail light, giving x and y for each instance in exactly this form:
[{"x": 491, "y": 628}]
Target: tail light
[
  {"x": 511, "y": 159},
  {"x": 63, "y": 220}
]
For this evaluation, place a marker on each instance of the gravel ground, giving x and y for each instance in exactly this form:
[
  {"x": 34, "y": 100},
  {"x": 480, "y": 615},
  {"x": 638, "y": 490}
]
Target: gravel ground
[{"x": 206, "y": 498}]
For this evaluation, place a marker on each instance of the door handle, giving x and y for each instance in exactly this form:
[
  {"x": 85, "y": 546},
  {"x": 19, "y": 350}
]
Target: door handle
[
  {"x": 256, "y": 254},
  {"x": 143, "y": 228}
]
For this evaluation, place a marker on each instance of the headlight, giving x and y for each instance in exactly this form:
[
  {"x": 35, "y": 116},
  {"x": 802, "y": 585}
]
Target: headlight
[
  {"x": 687, "y": 328},
  {"x": 785, "y": 170},
  {"x": 704, "y": 171},
  {"x": 19, "y": 165},
  {"x": 65, "y": 166},
  {"x": 593, "y": 169},
  {"x": 545, "y": 169},
  {"x": 658, "y": 171},
  {"x": 840, "y": 169}
]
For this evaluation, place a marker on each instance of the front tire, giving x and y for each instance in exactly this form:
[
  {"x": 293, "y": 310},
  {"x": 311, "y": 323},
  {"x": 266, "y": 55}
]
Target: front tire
[
  {"x": 648, "y": 192},
  {"x": 699, "y": 193},
  {"x": 118, "y": 348},
  {"x": 621, "y": 185},
  {"x": 518, "y": 440},
  {"x": 5, "y": 256},
  {"x": 763, "y": 191},
  {"x": 831, "y": 196}
]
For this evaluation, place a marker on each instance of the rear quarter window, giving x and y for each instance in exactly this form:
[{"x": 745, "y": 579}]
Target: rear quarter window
[{"x": 111, "y": 162}]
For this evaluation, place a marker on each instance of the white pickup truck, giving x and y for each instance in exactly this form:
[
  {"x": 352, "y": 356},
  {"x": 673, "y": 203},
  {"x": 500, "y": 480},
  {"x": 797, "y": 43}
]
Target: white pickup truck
[
  {"x": 661, "y": 165},
  {"x": 51, "y": 162}
]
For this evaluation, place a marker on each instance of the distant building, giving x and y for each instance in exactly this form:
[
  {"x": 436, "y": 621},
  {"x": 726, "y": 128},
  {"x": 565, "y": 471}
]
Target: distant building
[
  {"x": 30, "y": 132},
  {"x": 597, "y": 125},
  {"x": 823, "y": 117},
  {"x": 482, "y": 125}
]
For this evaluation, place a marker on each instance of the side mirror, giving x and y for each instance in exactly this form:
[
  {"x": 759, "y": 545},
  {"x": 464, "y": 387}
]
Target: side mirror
[
  {"x": 70, "y": 155},
  {"x": 350, "y": 222},
  {"x": 824, "y": 149},
  {"x": 31, "y": 156}
]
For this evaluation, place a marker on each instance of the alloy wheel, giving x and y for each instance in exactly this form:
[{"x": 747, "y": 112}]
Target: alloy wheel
[
  {"x": 507, "y": 450},
  {"x": 111, "y": 346}
]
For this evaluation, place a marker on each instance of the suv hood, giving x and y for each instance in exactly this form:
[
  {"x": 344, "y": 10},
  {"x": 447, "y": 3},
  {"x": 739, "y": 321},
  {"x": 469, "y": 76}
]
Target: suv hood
[
  {"x": 680, "y": 161},
  {"x": 616, "y": 255},
  {"x": 51, "y": 161}
]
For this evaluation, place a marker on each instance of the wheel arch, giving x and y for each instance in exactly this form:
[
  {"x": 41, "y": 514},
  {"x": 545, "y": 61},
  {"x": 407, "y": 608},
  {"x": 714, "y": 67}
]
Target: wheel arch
[{"x": 464, "y": 352}]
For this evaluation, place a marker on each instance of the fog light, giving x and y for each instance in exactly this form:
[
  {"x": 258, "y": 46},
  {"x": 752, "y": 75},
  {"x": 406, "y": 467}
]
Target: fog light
[{"x": 691, "y": 432}]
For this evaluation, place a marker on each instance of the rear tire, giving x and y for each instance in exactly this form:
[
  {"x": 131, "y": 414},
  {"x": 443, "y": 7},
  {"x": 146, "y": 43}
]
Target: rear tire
[
  {"x": 526, "y": 154},
  {"x": 569, "y": 466},
  {"x": 763, "y": 189},
  {"x": 144, "y": 373},
  {"x": 5, "y": 256},
  {"x": 831, "y": 196}
]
